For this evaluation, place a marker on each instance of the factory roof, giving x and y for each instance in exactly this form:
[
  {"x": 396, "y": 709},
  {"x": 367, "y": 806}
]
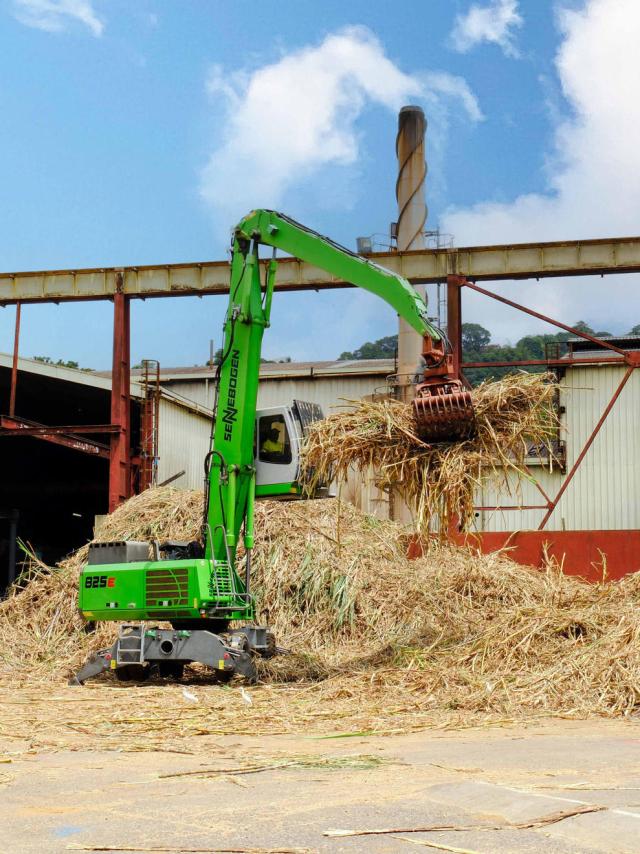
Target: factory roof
[
  {"x": 279, "y": 370},
  {"x": 581, "y": 348},
  {"x": 625, "y": 342},
  {"x": 58, "y": 372},
  {"x": 100, "y": 380}
]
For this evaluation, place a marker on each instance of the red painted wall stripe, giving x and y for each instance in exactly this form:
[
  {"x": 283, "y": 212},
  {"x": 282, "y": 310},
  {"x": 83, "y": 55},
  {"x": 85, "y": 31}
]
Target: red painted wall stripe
[{"x": 579, "y": 552}]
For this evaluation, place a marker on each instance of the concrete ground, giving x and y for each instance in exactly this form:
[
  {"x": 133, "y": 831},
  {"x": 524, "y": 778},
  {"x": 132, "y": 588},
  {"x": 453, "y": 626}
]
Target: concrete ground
[{"x": 305, "y": 786}]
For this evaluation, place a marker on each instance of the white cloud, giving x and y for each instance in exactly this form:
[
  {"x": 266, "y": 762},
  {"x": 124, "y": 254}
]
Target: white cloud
[
  {"x": 55, "y": 15},
  {"x": 494, "y": 23},
  {"x": 287, "y": 120},
  {"x": 592, "y": 173},
  {"x": 437, "y": 83}
]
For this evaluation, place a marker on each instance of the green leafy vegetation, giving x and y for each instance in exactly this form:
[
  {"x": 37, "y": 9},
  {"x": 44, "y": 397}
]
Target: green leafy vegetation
[
  {"x": 61, "y": 363},
  {"x": 383, "y": 348},
  {"x": 478, "y": 347}
]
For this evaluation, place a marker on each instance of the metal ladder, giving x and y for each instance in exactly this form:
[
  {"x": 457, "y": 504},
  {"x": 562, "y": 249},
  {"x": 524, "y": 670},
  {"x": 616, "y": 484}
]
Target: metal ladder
[{"x": 130, "y": 648}]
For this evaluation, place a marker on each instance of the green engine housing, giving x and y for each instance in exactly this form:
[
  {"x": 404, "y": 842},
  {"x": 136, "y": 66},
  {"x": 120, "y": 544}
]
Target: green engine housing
[{"x": 172, "y": 590}]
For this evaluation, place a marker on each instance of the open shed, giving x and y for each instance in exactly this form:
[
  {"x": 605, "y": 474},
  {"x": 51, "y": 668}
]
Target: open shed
[{"x": 54, "y": 481}]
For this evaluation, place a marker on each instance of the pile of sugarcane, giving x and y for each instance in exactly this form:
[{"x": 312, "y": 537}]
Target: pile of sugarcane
[
  {"x": 375, "y": 639},
  {"x": 437, "y": 480}
]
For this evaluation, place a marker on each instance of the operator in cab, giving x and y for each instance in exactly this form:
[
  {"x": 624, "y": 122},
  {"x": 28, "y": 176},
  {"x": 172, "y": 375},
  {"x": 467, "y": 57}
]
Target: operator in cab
[{"x": 273, "y": 444}]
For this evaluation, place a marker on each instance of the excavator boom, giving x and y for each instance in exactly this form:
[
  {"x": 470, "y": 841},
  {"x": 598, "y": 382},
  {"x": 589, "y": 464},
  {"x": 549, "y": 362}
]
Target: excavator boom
[
  {"x": 281, "y": 232},
  {"x": 442, "y": 405}
]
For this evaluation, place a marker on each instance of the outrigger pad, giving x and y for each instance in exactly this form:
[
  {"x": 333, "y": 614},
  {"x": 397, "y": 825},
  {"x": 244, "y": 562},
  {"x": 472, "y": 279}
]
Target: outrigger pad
[
  {"x": 245, "y": 667},
  {"x": 96, "y": 663}
]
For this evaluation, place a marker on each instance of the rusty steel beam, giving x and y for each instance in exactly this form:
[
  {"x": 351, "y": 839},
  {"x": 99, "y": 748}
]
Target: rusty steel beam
[
  {"x": 454, "y": 322},
  {"x": 14, "y": 365},
  {"x": 57, "y": 435},
  {"x": 538, "y": 485},
  {"x": 513, "y": 507},
  {"x": 477, "y": 263},
  {"x": 120, "y": 487},
  {"x": 577, "y": 332},
  {"x": 29, "y": 428},
  {"x": 552, "y": 363}
]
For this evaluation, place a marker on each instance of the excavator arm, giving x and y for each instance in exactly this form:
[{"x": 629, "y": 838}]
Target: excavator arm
[
  {"x": 442, "y": 405},
  {"x": 281, "y": 232}
]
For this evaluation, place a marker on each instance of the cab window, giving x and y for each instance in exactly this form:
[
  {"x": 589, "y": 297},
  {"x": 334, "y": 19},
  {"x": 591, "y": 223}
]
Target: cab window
[{"x": 274, "y": 445}]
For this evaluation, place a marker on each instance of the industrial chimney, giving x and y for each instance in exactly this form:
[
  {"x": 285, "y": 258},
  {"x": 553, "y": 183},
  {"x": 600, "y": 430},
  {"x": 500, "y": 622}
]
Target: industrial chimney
[{"x": 412, "y": 217}]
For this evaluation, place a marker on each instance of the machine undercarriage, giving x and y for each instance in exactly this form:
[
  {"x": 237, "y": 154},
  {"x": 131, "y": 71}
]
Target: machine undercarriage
[{"x": 140, "y": 652}]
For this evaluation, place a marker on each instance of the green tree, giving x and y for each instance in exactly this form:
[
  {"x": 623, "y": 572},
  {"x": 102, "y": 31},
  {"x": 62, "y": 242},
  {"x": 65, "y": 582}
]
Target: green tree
[
  {"x": 383, "y": 348},
  {"x": 477, "y": 347},
  {"x": 475, "y": 337},
  {"x": 47, "y": 360}
]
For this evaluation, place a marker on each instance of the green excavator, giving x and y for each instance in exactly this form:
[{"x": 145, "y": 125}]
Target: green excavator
[{"x": 199, "y": 588}]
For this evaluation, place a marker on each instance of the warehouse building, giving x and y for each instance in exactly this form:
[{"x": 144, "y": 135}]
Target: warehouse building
[
  {"x": 604, "y": 490},
  {"x": 52, "y": 489}
]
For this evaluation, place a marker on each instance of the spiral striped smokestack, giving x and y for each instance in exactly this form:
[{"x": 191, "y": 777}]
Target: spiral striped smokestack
[
  {"x": 412, "y": 218},
  {"x": 412, "y": 172}
]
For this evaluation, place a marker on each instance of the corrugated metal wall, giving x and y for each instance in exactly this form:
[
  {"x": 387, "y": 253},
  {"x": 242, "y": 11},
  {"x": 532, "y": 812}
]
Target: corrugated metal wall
[
  {"x": 183, "y": 442},
  {"x": 605, "y": 491},
  {"x": 184, "y": 436},
  {"x": 326, "y": 391},
  {"x": 200, "y": 391},
  {"x": 329, "y": 392}
]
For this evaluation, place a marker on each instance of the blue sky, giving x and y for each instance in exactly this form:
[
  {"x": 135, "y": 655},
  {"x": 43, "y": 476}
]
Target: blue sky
[{"x": 139, "y": 132}]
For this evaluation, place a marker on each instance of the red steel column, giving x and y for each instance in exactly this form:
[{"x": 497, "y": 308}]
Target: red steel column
[
  {"x": 120, "y": 458},
  {"x": 14, "y": 368},
  {"x": 454, "y": 319}
]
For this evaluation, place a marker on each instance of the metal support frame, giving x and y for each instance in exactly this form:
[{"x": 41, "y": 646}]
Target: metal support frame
[
  {"x": 512, "y": 507},
  {"x": 511, "y": 262},
  {"x": 14, "y": 366},
  {"x": 577, "y": 332},
  {"x": 623, "y": 357},
  {"x": 120, "y": 487},
  {"x": 149, "y": 424},
  {"x": 619, "y": 255},
  {"x": 549, "y": 363},
  {"x": 70, "y": 436},
  {"x": 24, "y": 427}
]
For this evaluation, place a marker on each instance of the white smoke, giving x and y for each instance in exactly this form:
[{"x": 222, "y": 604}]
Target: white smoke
[{"x": 287, "y": 120}]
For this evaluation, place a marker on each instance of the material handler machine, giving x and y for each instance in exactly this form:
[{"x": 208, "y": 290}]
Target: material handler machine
[{"x": 200, "y": 588}]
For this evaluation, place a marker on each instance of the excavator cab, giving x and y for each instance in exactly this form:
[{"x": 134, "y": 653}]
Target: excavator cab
[{"x": 279, "y": 434}]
